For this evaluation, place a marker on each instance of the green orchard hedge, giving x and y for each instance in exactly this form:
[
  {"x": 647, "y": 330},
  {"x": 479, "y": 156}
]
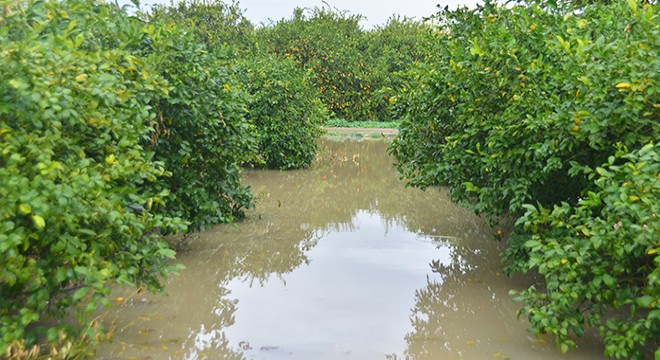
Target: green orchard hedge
[
  {"x": 516, "y": 104},
  {"x": 283, "y": 108},
  {"x": 73, "y": 170},
  {"x": 329, "y": 43},
  {"x": 285, "y": 111},
  {"x": 354, "y": 70},
  {"x": 515, "y": 95},
  {"x": 201, "y": 132},
  {"x": 599, "y": 256},
  {"x": 113, "y": 130},
  {"x": 392, "y": 50}
]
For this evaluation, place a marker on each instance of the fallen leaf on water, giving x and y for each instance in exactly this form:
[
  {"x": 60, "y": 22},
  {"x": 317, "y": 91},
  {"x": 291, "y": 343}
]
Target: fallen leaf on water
[
  {"x": 470, "y": 342},
  {"x": 119, "y": 299}
]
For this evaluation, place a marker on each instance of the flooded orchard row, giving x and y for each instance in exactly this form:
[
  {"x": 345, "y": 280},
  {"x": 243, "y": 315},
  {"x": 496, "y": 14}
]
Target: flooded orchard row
[{"x": 339, "y": 261}]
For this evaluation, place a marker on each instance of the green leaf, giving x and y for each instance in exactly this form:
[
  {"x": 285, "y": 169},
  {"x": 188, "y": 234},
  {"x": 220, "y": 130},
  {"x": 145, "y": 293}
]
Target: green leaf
[
  {"x": 89, "y": 232},
  {"x": 105, "y": 272},
  {"x": 15, "y": 83},
  {"x": 533, "y": 244},
  {"x": 38, "y": 221},
  {"x": 597, "y": 242},
  {"x": 25, "y": 209},
  {"x": 80, "y": 293},
  {"x": 168, "y": 253},
  {"x": 470, "y": 187},
  {"x": 645, "y": 301}
]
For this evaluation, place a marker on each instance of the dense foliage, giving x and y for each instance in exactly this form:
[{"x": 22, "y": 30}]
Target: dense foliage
[
  {"x": 517, "y": 107},
  {"x": 74, "y": 116},
  {"x": 601, "y": 255},
  {"x": 353, "y": 69},
  {"x": 327, "y": 42},
  {"x": 116, "y": 129},
  {"x": 201, "y": 133},
  {"x": 392, "y": 50},
  {"x": 215, "y": 23},
  {"x": 284, "y": 110}
]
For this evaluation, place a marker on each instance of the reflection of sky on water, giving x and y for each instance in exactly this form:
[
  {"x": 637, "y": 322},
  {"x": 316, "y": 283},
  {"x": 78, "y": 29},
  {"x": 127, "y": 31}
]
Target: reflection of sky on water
[
  {"x": 352, "y": 301},
  {"x": 340, "y": 261}
]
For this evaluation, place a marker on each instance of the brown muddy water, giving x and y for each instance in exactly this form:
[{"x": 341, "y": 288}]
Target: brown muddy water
[{"x": 340, "y": 261}]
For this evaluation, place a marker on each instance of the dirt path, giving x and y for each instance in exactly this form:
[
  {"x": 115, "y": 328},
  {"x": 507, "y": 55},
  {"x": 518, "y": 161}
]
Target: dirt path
[{"x": 362, "y": 131}]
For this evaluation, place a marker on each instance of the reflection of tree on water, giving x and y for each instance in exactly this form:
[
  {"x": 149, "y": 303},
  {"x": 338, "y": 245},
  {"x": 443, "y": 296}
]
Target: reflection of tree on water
[
  {"x": 295, "y": 210},
  {"x": 190, "y": 323},
  {"x": 351, "y": 176},
  {"x": 214, "y": 338},
  {"x": 276, "y": 249},
  {"x": 251, "y": 252},
  {"x": 459, "y": 313}
]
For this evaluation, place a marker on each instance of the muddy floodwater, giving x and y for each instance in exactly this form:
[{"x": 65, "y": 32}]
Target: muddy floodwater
[{"x": 339, "y": 261}]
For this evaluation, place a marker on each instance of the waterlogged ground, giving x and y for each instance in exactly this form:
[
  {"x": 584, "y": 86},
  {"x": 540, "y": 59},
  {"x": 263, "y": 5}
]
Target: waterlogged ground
[{"x": 339, "y": 261}]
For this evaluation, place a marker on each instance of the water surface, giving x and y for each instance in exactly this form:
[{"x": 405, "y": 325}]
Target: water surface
[{"x": 340, "y": 261}]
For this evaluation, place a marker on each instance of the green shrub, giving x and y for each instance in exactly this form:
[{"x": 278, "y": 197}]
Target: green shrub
[
  {"x": 354, "y": 70},
  {"x": 78, "y": 200},
  {"x": 285, "y": 111},
  {"x": 517, "y": 93},
  {"x": 201, "y": 133},
  {"x": 599, "y": 257},
  {"x": 391, "y": 51},
  {"x": 329, "y": 43},
  {"x": 215, "y": 23},
  {"x": 362, "y": 124},
  {"x": 517, "y": 98},
  {"x": 112, "y": 129}
]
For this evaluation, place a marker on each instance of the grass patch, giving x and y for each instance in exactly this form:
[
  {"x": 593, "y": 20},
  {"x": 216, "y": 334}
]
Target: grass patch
[
  {"x": 334, "y": 134},
  {"x": 362, "y": 124}
]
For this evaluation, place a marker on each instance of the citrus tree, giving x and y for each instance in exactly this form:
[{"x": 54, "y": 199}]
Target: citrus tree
[
  {"x": 80, "y": 205},
  {"x": 201, "y": 133},
  {"x": 284, "y": 111},
  {"x": 329, "y": 43},
  {"x": 114, "y": 131},
  {"x": 215, "y": 23},
  {"x": 392, "y": 50},
  {"x": 277, "y": 97}
]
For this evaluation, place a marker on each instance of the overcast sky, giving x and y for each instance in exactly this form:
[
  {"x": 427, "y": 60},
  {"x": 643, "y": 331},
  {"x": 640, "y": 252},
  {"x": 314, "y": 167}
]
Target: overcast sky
[{"x": 376, "y": 11}]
